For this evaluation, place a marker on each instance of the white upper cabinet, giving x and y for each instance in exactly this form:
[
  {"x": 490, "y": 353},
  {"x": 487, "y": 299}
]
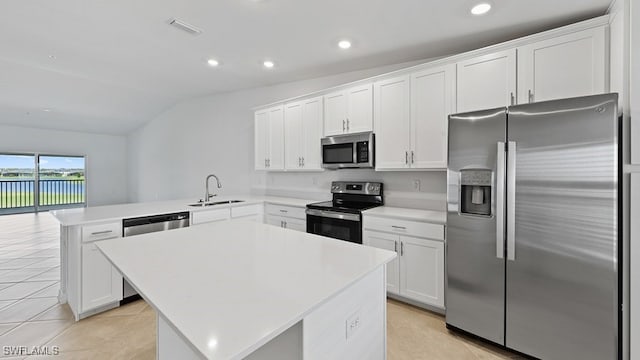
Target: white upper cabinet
[
  {"x": 276, "y": 138},
  {"x": 565, "y": 66},
  {"x": 269, "y": 139},
  {"x": 335, "y": 113},
  {"x": 392, "y": 122},
  {"x": 261, "y": 141},
  {"x": 349, "y": 111},
  {"x": 486, "y": 81},
  {"x": 411, "y": 115},
  {"x": 360, "y": 108},
  {"x": 292, "y": 133},
  {"x": 433, "y": 99},
  {"x": 303, "y": 130}
]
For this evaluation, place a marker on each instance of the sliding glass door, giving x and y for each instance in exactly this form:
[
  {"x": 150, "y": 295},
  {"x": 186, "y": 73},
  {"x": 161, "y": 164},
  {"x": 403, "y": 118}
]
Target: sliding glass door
[
  {"x": 37, "y": 182},
  {"x": 17, "y": 180}
]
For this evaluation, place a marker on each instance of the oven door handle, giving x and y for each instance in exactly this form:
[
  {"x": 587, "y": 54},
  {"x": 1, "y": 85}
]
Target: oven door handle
[{"x": 333, "y": 215}]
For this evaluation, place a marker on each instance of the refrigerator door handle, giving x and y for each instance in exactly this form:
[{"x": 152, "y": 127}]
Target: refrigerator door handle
[
  {"x": 500, "y": 175},
  {"x": 511, "y": 201}
]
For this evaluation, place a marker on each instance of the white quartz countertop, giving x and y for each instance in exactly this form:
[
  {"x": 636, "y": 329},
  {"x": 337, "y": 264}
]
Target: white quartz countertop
[
  {"x": 430, "y": 216},
  {"x": 230, "y": 287},
  {"x": 68, "y": 217}
]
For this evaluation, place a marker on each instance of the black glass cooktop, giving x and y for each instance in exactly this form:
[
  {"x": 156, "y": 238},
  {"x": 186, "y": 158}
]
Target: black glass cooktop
[{"x": 351, "y": 207}]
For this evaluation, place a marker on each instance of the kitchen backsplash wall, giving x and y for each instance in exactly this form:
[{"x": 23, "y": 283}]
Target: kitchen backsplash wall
[
  {"x": 170, "y": 156},
  {"x": 421, "y": 190}
]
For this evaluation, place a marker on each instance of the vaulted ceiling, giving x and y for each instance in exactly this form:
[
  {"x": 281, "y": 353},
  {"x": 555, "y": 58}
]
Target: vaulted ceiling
[{"x": 109, "y": 66}]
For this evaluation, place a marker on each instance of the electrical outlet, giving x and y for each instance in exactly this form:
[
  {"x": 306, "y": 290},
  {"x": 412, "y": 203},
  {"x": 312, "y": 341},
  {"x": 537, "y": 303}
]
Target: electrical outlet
[
  {"x": 416, "y": 185},
  {"x": 352, "y": 324}
]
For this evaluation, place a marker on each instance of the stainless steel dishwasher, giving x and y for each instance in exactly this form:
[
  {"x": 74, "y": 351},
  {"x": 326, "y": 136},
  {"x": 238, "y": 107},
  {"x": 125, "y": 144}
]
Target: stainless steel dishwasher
[{"x": 145, "y": 225}]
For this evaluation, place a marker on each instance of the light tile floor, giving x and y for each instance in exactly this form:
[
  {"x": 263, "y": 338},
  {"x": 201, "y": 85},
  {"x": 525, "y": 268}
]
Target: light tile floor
[{"x": 30, "y": 315}]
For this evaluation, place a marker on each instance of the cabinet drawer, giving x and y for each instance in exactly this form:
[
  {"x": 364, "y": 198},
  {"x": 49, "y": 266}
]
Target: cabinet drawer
[
  {"x": 288, "y": 211},
  {"x": 101, "y": 231},
  {"x": 199, "y": 217},
  {"x": 404, "y": 227},
  {"x": 246, "y": 210}
]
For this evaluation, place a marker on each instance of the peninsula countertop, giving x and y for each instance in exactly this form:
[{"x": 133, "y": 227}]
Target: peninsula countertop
[
  {"x": 80, "y": 216},
  {"x": 230, "y": 287}
]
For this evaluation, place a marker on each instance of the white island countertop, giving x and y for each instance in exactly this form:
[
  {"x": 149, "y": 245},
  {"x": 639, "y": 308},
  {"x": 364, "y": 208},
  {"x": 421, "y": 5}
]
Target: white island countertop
[
  {"x": 81, "y": 216},
  {"x": 230, "y": 287}
]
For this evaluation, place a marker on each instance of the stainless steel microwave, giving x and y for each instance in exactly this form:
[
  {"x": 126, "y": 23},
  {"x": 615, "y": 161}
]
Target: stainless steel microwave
[{"x": 348, "y": 151}]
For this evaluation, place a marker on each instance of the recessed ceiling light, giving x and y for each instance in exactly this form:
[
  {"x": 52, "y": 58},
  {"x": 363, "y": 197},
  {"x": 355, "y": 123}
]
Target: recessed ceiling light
[
  {"x": 213, "y": 62},
  {"x": 268, "y": 64},
  {"x": 52, "y": 57},
  {"x": 344, "y": 44},
  {"x": 46, "y": 110},
  {"x": 481, "y": 9}
]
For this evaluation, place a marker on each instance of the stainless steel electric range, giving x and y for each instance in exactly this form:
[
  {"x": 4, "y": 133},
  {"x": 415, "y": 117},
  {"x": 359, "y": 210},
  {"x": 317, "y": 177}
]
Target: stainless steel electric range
[{"x": 341, "y": 218}]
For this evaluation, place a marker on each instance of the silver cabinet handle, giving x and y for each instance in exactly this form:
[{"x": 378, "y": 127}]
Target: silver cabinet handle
[
  {"x": 284, "y": 211},
  {"x": 344, "y": 125},
  {"x": 399, "y": 227},
  {"x": 412, "y": 157},
  {"x": 500, "y": 201},
  {"x": 268, "y": 162},
  {"x": 265, "y": 162},
  {"x": 281, "y": 223},
  {"x": 303, "y": 161},
  {"x": 299, "y": 161},
  {"x": 401, "y": 248},
  {"x": 406, "y": 158},
  {"x": 513, "y": 99},
  {"x": 395, "y": 246},
  {"x": 102, "y": 232},
  {"x": 511, "y": 201},
  {"x": 531, "y": 97},
  {"x": 285, "y": 224},
  {"x": 347, "y": 124}
]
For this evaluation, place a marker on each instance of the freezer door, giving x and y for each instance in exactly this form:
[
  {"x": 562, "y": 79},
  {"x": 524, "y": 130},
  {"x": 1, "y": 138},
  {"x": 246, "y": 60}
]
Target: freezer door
[
  {"x": 562, "y": 293},
  {"x": 474, "y": 254}
]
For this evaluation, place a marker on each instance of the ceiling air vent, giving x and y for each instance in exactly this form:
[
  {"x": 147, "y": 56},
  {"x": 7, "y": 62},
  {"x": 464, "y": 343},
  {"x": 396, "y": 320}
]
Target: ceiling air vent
[{"x": 179, "y": 24}]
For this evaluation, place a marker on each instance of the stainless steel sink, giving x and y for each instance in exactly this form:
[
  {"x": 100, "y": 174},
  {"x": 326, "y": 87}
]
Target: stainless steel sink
[{"x": 213, "y": 203}]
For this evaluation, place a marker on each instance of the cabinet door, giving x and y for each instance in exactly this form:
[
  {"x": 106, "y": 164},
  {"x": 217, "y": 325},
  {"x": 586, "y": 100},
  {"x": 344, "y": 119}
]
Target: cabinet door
[
  {"x": 292, "y": 136},
  {"x": 487, "y": 81},
  {"x": 274, "y": 220},
  {"x": 335, "y": 113},
  {"x": 295, "y": 224},
  {"x": 391, "y": 99},
  {"x": 276, "y": 138},
  {"x": 387, "y": 242},
  {"x": 422, "y": 270},
  {"x": 433, "y": 94},
  {"x": 566, "y": 66},
  {"x": 311, "y": 133},
  {"x": 261, "y": 139},
  {"x": 360, "y": 108},
  {"x": 101, "y": 282}
]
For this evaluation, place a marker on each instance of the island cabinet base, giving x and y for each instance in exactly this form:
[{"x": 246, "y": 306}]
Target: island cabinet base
[{"x": 349, "y": 325}]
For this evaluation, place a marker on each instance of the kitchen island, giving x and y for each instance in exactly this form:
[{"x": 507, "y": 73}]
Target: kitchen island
[{"x": 239, "y": 289}]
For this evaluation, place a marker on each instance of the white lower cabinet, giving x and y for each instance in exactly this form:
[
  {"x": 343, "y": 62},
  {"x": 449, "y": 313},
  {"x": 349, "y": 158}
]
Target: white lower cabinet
[
  {"x": 101, "y": 282},
  {"x": 287, "y": 222},
  {"x": 288, "y": 217},
  {"x": 207, "y": 216},
  {"x": 422, "y": 270},
  {"x": 390, "y": 242},
  {"x": 418, "y": 271}
]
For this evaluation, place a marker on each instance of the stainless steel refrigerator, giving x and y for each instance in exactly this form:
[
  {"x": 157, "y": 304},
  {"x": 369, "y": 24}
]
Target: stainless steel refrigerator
[{"x": 532, "y": 227}]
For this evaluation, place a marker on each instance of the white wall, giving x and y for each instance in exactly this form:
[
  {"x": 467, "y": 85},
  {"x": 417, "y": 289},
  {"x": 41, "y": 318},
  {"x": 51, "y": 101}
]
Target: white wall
[
  {"x": 106, "y": 157},
  {"x": 171, "y": 155}
]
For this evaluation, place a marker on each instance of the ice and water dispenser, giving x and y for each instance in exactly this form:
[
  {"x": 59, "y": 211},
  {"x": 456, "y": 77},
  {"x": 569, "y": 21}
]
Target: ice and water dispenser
[{"x": 476, "y": 191}]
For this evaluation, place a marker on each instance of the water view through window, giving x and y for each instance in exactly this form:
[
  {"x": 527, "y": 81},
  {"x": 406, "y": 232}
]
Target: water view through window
[{"x": 61, "y": 182}]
